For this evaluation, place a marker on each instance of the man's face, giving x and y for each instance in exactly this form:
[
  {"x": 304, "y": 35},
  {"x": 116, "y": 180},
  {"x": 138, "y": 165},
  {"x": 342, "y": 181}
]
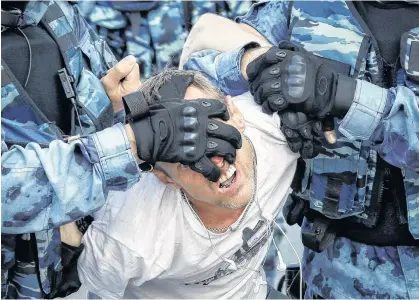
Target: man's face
[{"x": 235, "y": 186}]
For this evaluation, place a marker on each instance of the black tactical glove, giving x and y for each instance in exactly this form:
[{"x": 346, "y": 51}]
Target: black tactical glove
[
  {"x": 303, "y": 135},
  {"x": 180, "y": 131},
  {"x": 289, "y": 77}
]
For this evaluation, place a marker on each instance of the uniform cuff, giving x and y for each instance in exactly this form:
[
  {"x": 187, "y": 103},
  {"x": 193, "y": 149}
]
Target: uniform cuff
[
  {"x": 228, "y": 69},
  {"x": 119, "y": 168},
  {"x": 365, "y": 112}
]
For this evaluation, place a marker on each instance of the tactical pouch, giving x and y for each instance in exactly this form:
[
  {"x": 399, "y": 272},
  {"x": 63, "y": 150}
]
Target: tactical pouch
[
  {"x": 409, "y": 53},
  {"x": 338, "y": 179}
]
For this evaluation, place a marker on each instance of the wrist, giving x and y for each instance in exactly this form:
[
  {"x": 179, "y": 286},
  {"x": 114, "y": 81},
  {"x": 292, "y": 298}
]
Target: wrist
[{"x": 250, "y": 55}]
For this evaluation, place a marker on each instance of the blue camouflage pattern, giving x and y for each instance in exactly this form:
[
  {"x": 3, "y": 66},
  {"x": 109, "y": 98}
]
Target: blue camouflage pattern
[
  {"x": 154, "y": 31},
  {"x": 407, "y": 40},
  {"x": 51, "y": 182},
  {"x": 329, "y": 29}
]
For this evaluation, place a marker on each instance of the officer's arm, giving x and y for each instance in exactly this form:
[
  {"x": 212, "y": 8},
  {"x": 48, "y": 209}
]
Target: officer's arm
[
  {"x": 216, "y": 46},
  {"x": 46, "y": 187},
  {"x": 390, "y": 119}
]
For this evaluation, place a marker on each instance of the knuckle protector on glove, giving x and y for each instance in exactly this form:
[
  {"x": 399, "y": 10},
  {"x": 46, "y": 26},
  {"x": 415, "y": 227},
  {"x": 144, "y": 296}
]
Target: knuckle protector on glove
[
  {"x": 214, "y": 108},
  {"x": 224, "y": 131},
  {"x": 191, "y": 131}
]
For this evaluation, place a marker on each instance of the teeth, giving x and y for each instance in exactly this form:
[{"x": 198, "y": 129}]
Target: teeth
[
  {"x": 230, "y": 171},
  {"x": 223, "y": 178}
]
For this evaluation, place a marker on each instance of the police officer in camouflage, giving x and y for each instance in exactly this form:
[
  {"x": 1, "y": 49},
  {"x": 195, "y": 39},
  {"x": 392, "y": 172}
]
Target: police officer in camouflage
[
  {"x": 353, "y": 66},
  {"x": 153, "y": 31},
  {"x": 65, "y": 145}
]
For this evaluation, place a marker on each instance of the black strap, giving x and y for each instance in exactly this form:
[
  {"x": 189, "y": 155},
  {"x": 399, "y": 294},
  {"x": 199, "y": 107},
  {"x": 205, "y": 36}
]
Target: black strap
[
  {"x": 321, "y": 235},
  {"x": 331, "y": 200},
  {"x": 136, "y": 106}
]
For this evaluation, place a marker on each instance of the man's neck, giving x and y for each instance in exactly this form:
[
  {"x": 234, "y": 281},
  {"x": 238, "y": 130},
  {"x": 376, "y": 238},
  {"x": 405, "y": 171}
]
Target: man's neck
[{"x": 214, "y": 216}]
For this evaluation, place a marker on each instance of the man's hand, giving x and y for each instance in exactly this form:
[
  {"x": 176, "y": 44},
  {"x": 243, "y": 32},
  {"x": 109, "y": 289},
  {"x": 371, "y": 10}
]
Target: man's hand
[
  {"x": 121, "y": 80},
  {"x": 288, "y": 77}
]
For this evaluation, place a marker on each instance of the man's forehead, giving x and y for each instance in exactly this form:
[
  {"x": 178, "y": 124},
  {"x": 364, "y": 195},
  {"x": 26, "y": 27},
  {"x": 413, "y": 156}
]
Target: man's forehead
[{"x": 194, "y": 92}]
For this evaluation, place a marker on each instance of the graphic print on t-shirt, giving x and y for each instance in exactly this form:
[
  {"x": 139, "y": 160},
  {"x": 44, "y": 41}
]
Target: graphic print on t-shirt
[{"x": 253, "y": 241}]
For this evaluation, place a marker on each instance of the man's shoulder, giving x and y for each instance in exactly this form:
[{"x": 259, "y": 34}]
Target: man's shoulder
[
  {"x": 140, "y": 216},
  {"x": 255, "y": 118}
]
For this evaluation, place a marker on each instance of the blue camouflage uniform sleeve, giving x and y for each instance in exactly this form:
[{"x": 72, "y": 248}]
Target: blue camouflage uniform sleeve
[
  {"x": 222, "y": 69},
  {"x": 389, "y": 119},
  {"x": 45, "y": 188},
  {"x": 270, "y": 19}
]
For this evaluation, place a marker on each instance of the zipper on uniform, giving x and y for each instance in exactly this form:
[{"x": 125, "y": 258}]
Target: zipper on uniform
[{"x": 384, "y": 180}]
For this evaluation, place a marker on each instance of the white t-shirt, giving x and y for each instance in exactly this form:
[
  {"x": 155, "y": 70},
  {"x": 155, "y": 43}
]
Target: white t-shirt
[{"x": 148, "y": 242}]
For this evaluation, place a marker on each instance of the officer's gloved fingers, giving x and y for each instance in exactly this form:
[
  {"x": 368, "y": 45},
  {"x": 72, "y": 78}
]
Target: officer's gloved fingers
[
  {"x": 287, "y": 45},
  {"x": 293, "y": 139},
  {"x": 307, "y": 150},
  {"x": 271, "y": 57},
  {"x": 272, "y": 71},
  {"x": 274, "y": 103},
  {"x": 293, "y": 120},
  {"x": 317, "y": 146},
  {"x": 255, "y": 67},
  {"x": 220, "y": 130},
  {"x": 317, "y": 128},
  {"x": 207, "y": 168},
  {"x": 305, "y": 131},
  {"x": 266, "y": 108},
  {"x": 221, "y": 148},
  {"x": 295, "y": 146},
  {"x": 214, "y": 108},
  {"x": 269, "y": 87}
]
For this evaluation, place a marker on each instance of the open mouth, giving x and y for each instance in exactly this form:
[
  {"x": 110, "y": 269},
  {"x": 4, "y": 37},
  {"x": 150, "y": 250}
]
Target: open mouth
[{"x": 227, "y": 179}]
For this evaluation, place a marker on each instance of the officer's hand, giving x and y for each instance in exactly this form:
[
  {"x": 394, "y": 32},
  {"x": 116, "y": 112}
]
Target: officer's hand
[
  {"x": 302, "y": 134},
  {"x": 121, "y": 80},
  {"x": 289, "y": 77},
  {"x": 179, "y": 131}
]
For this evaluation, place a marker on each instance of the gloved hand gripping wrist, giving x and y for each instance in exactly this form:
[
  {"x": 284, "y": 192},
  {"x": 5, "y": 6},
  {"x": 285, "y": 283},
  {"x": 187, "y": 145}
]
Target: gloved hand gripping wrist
[{"x": 291, "y": 78}]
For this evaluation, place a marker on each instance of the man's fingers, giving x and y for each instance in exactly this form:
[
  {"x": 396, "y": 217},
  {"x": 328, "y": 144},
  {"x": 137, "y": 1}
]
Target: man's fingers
[
  {"x": 330, "y": 136},
  {"x": 207, "y": 168},
  {"x": 118, "y": 72},
  {"x": 225, "y": 132},
  {"x": 328, "y": 126},
  {"x": 132, "y": 81}
]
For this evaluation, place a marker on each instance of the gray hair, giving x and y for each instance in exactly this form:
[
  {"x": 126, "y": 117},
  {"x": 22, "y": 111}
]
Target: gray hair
[{"x": 150, "y": 88}]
